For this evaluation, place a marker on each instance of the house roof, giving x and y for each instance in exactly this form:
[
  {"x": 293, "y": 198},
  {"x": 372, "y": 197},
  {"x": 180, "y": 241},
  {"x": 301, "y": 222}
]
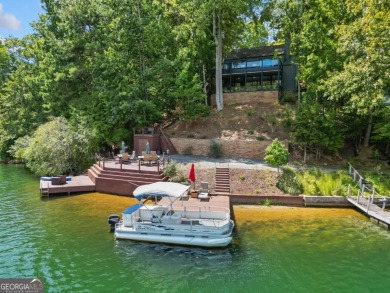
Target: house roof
[{"x": 263, "y": 51}]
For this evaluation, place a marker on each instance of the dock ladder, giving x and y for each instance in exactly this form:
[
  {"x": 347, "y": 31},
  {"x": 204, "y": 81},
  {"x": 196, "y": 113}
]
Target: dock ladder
[{"x": 45, "y": 190}]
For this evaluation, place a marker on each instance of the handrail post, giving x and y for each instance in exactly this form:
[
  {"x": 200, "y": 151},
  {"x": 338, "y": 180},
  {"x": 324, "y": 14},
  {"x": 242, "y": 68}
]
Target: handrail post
[
  {"x": 139, "y": 166},
  {"x": 121, "y": 164},
  {"x": 104, "y": 162}
]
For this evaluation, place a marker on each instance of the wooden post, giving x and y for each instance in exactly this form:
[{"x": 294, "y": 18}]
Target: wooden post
[{"x": 139, "y": 166}]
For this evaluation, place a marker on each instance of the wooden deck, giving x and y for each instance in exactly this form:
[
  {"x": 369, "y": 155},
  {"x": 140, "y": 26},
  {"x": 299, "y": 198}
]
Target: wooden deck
[
  {"x": 80, "y": 183},
  {"x": 373, "y": 211}
]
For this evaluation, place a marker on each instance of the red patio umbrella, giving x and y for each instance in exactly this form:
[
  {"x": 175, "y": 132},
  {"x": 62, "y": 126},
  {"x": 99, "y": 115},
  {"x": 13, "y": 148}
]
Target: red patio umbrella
[{"x": 192, "y": 174}]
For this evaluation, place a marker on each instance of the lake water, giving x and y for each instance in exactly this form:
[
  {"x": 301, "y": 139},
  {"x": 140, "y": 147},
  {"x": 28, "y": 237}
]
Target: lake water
[{"x": 65, "y": 241}]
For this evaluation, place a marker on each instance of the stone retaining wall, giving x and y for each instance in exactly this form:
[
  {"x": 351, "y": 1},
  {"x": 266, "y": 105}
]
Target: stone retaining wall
[
  {"x": 231, "y": 148},
  {"x": 290, "y": 200},
  {"x": 248, "y": 97},
  {"x": 326, "y": 201}
]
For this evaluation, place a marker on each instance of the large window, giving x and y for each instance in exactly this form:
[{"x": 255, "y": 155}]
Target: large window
[
  {"x": 253, "y": 82},
  {"x": 238, "y": 83},
  {"x": 270, "y": 62},
  {"x": 241, "y": 64}
]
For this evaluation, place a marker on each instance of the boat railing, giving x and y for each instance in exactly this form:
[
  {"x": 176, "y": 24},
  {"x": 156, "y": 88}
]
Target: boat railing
[{"x": 212, "y": 213}]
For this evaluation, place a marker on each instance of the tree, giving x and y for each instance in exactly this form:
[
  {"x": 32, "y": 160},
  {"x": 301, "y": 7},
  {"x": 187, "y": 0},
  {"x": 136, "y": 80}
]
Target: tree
[
  {"x": 57, "y": 147},
  {"x": 276, "y": 154}
]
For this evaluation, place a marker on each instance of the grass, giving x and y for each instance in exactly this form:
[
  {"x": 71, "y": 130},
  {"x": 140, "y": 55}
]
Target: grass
[
  {"x": 318, "y": 182},
  {"x": 380, "y": 180}
]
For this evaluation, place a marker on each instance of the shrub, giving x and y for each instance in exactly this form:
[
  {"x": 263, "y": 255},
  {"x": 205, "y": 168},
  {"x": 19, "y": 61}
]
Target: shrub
[
  {"x": 288, "y": 182},
  {"x": 242, "y": 177},
  {"x": 188, "y": 150},
  {"x": 56, "y": 148},
  {"x": 203, "y": 136},
  {"x": 266, "y": 202},
  {"x": 190, "y": 135},
  {"x": 215, "y": 150},
  {"x": 276, "y": 154},
  {"x": 250, "y": 132},
  {"x": 171, "y": 170},
  {"x": 260, "y": 138}
]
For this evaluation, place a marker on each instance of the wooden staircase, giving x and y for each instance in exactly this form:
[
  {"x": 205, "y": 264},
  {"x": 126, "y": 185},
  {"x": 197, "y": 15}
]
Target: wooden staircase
[
  {"x": 222, "y": 181},
  {"x": 123, "y": 182}
]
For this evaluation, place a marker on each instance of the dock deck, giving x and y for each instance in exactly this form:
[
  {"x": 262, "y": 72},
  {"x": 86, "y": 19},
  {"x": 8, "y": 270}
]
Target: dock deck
[
  {"x": 375, "y": 213},
  {"x": 80, "y": 183},
  {"x": 213, "y": 202}
]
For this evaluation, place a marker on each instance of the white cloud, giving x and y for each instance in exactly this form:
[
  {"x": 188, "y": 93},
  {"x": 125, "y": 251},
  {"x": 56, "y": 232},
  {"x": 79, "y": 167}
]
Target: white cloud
[{"x": 8, "y": 21}]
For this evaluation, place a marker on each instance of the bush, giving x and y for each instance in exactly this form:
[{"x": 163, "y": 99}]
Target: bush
[
  {"x": 171, "y": 170},
  {"x": 317, "y": 182},
  {"x": 188, "y": 150},
  {"x": 215, "y": 150},
  {"x": 276, "y": 154},
  {"x": 288, "y": 182},
  {"x": 58, "y": 148}
]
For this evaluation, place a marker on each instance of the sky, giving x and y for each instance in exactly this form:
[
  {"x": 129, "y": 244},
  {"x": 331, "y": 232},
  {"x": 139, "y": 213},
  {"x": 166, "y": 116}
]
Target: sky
[{"x": 16, "y": 16}]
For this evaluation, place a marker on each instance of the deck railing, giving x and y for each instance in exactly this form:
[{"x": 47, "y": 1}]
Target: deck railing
[{"x": 365, "y": 190}]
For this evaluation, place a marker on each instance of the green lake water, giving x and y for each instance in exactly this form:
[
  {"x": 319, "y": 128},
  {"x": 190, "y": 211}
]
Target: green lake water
[{"x": 65, "y": 241}]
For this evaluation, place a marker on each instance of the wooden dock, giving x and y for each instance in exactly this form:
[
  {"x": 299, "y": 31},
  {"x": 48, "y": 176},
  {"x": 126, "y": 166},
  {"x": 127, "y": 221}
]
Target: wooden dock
[
  {"x": 377, "y": 214},
  {"x": 80, "y": 183},
  {"x": 217, "y": 201}
]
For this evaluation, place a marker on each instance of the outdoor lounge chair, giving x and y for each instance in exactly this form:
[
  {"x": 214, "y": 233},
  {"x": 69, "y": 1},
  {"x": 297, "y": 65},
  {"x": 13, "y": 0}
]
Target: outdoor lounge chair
[{"x": 204, "y": 191}]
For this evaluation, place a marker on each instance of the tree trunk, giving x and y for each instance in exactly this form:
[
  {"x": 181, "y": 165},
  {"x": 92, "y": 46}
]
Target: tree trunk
[
  {"x": 217, "y": 33},
  {"x": 368, "y": 132},
  {"x": 304, "y": 155},
  {"x": 387, "y": 148},
  {"x": 205, "y": 85}
]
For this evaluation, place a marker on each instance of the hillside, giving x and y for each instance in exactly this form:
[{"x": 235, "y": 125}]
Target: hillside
[
  {"x": 256, "y": 121},
  {"x": 263, "y": 121}
]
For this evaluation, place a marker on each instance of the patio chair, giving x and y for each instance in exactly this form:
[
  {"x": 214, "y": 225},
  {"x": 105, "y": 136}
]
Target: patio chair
[
  {"x": 204, "y": 191},
  {"x": 125, "y": 158},
  {"x": 133, "y": 157},
  {"x": 153, "y": 158}
]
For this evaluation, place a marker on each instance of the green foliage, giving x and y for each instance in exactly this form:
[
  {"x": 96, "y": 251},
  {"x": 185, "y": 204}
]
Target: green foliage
[
  {"x": 57, "y": 147},
  {"x": 276, "y": 154},
  {"x": 267, "y": 202},
  {"x": 242, "y": 177},
  {"x": 288, "y": 181},
  {"x": 260, "y": 138},
  {"x": 188, "y": 151},
  {"x": 250, "y": 132},
  {"x": 215, "y": 150},
  {"x": 317, "y": 182},
  {"x": 380, "y": 181},
  {"x": 190, "y": 135},
  {"x": 171, "y": 170}
]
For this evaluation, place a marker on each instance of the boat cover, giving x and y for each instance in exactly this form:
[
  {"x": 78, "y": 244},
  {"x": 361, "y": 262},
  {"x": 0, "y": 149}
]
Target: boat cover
[
  {"x": 133, "y": 208},
  {"x": 162, "y": 189}
]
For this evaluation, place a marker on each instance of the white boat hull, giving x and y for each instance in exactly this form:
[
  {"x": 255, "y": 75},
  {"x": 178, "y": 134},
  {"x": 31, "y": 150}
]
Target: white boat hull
[{"x": 169, "y": 237}]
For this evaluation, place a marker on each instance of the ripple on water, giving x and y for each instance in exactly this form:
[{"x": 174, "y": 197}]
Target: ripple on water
[{"x": 64, "y": 240}]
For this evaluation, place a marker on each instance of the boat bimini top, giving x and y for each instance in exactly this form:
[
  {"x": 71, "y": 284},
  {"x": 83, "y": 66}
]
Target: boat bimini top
[{"x": 163, "y": 189}]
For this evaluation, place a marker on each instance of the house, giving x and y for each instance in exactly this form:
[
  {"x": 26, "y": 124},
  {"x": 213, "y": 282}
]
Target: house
[{"x": 261, "y": 74}]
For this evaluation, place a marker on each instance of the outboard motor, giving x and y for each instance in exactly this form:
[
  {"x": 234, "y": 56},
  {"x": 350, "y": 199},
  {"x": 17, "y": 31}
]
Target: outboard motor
[{"x": 112, "y": 221}]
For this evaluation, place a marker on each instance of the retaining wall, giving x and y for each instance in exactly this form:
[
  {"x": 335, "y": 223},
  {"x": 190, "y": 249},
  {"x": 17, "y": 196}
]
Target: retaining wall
[
  {"x": 231, "y": 148},
  {"x": 326, "y": 201},
  {"x": 290, "y": 200},
  {"x": 248, "y": 97}
]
